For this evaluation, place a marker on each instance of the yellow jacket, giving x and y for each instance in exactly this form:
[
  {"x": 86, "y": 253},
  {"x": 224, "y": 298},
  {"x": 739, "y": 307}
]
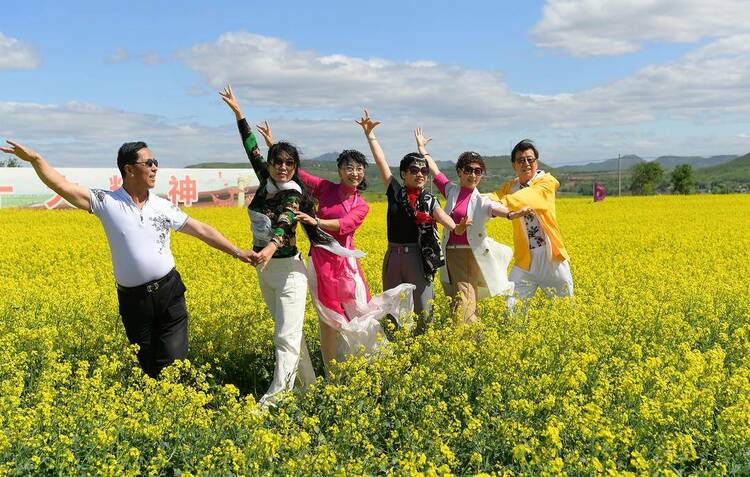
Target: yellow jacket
[{"x": 540, "y": 196}]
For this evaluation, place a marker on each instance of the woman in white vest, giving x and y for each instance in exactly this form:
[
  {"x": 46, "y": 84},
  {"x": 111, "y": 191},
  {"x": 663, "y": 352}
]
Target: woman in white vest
[{"x": 476, "y": 265}]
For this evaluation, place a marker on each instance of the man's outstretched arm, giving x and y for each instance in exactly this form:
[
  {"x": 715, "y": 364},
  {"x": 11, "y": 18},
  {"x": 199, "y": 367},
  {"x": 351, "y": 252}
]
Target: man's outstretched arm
[
  {"x": 73, "y": 193},
  {"x": 215, "y": 239}
]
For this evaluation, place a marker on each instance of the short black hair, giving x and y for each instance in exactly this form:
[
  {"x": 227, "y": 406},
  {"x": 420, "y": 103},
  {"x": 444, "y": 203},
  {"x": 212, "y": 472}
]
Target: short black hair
[
  {"x": 128, "y": 154},
  {"x": 523, "y": 145},
  {"x": 409, "y": 159},
  {"x": 470, "y": 157},
  {"x": 349, "y": 156},
  {"x": 281, "y": 146}
]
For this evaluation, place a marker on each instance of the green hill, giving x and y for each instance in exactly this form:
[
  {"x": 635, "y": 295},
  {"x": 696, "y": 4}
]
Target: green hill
[
  {"x": 732, "y": 176},
  {"x": 698, "y": 162},
  {"x": 626, "y": 162}
]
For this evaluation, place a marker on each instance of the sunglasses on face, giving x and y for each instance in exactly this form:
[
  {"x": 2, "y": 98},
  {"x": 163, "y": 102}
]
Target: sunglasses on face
[
  {"x": 526, "y": 160},
  {"x": 289, "y": 163},
  {"x": 149, "y": 163},
  {"x": 477, "y": 171},
  {"x": 416, "y": 170}
]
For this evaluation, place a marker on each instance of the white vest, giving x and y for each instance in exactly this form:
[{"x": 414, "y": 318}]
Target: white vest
[{"x": 493, "y": 258}]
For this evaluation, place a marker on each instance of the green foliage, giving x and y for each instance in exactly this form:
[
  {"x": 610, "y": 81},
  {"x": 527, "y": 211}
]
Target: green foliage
[
  {"x": 12, "y": 161},
  {"x": 646, "y": 178},
  {"x": 682, "y": 179}
]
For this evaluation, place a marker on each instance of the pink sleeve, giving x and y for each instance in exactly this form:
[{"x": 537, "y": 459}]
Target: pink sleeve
[
  {"x": 441, "y": 180},
  {"x": 353, "y": 219},
  {"x": 312, "y": 182}
]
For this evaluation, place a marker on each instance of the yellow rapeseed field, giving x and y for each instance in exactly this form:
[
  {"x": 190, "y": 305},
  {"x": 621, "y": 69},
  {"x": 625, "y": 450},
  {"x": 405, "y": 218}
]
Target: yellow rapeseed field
[{"x": 646, "y": 373}]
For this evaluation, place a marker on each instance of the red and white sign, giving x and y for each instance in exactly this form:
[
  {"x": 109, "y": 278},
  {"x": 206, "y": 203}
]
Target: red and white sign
[{"x": 187, "y": 187}]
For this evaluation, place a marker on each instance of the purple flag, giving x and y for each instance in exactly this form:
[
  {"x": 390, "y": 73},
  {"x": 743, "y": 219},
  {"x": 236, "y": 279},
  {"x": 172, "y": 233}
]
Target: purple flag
[{"x": 599, "y": 192}]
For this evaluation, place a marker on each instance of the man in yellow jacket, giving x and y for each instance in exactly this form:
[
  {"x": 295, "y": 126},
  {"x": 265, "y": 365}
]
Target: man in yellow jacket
[{"x": 541, "y": 260}]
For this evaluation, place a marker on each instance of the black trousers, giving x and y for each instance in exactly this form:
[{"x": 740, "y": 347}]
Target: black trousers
[{"x": 156, "y": 319}]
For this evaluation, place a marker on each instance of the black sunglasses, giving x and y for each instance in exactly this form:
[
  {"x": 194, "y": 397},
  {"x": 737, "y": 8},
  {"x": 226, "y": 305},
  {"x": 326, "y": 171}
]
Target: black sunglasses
[
  {"x": 416, "y": 170},
  {"x": 280, "y": 162},
  {"x": 477, "y": 171},
  {"x": 149, "y": 162}
]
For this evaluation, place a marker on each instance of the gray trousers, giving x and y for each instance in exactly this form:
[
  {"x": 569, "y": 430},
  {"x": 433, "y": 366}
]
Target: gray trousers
[{"x": 403, "y": 264}]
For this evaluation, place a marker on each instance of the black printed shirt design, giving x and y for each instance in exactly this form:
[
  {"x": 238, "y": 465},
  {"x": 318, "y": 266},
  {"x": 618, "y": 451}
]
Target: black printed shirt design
[
  {"x": 161, "y": 224},
  {"x": 534, "y": 231},
  {"x": 99, "y": 194}
]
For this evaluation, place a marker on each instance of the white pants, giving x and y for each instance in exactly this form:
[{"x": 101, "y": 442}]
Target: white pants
[
  {"x": 284, "y": 286},
  {"x": 551, "y": 276}
]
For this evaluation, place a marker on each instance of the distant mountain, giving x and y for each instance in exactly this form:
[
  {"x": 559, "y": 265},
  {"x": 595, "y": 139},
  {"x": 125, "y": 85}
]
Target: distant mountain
[
  {"x": 328, "y": 156},
  {"x": 627, "y": 162},
  {"x": 698, "y": 162},
  {"x": 630, "y": 160},
  {"x": 736, "y": 170}
]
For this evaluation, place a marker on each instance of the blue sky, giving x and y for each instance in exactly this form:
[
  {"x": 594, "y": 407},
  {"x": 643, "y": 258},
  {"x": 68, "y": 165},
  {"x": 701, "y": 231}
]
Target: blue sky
[{"x": 586, "y": 79}]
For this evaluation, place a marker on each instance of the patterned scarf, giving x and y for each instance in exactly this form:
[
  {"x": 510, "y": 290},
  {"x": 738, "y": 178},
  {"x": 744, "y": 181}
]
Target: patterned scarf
[{"x": 427, "y": 237}]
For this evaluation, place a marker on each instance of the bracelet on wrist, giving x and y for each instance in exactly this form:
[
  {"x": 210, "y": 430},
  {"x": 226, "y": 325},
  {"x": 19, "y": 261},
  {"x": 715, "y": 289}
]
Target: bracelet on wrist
[
  {"x": 236, "y": 252},
  {"x": 317, "y": 222}
]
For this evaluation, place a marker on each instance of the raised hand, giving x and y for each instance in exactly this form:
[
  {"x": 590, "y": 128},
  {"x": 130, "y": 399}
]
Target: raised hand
[
  {"x": 422, "y": 140},
  {"x": 228, "y": 96},
  {"x": 22, "y": 152},
  {"x": 265, "y": 131},
  {"x": 368, "y": 125}
]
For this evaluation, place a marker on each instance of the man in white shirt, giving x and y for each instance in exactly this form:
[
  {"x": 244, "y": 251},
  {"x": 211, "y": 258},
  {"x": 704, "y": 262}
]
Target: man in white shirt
[{"x": 150, "y": 292}]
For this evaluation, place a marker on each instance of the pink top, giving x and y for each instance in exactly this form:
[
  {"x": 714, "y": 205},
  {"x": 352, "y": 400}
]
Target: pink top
[
  {"x": 459, "y": 210},
  {"x": 337, "y": 201},
  {"x": 337, "y": 277}
]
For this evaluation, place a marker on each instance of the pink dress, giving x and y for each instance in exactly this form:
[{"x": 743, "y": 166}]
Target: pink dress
[{"x": 340, "y": 280}]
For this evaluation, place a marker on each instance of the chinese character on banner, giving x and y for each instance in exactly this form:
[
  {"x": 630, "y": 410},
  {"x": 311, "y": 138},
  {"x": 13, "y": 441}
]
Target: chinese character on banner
[
  {"x": 115, "y": 182},
  {"x": 599, "y": 192},
  {"x": 183, "y": 190}
]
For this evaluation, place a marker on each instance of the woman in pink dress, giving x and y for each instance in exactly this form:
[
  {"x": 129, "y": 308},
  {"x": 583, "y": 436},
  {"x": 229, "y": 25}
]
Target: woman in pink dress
[{"x": 336, "y": 281}]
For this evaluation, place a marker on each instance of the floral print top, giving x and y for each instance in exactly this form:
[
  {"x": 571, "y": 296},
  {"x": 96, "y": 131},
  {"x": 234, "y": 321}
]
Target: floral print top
[{"x": 279, "y": 208}]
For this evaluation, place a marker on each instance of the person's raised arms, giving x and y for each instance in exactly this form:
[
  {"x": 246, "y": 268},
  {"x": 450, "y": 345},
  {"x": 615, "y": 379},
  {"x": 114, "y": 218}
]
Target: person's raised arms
[
  {"x": 228, "y": 96},
  {"x": 368, "y": 127},
  {"x": 76, "y": 195},
  {"x": 265, "y": 131},
  {"x": 422, "y": 141}
]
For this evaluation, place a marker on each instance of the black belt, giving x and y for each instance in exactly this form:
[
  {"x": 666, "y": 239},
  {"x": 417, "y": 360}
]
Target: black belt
[{"x": 149, "y": 287}]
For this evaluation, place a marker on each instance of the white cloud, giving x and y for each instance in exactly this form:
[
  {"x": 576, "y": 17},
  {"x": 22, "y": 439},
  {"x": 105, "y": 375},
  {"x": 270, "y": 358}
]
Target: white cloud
[
  {"x": 312, "y": 99},
  {"x": 611, "y": 27},
  {"x": 17, "y": 55},
  {"x": 123, "y": 55},
  {"x": 120, "y": 55},
  {"x": 272, "y": 73},
  {"x": 79, "y": 134},
  {"x": 713, "y": 80},
  {"x": 152, "y": 58}
]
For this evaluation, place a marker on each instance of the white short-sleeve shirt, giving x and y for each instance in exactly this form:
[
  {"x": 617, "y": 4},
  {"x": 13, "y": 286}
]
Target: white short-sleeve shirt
[{"x": 138, "y": 238}]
